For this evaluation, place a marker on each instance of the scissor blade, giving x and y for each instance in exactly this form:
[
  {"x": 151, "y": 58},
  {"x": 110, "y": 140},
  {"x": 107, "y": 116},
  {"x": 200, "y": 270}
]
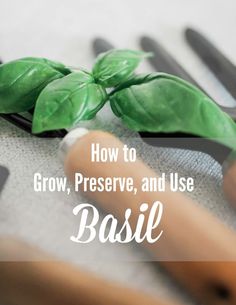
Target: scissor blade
[
  {"x": 221, "y": 66},
  {"x": 162, "y": 61},
  {"x": 101, "y": 45},
  {"x": 4, "y": 173}
]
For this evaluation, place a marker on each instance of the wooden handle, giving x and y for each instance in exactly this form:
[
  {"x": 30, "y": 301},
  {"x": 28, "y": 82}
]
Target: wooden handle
[
  {"x": 229, "y": 182},
  {"x": 44, "y": 281},
  {"x": 194, "y": 243}
]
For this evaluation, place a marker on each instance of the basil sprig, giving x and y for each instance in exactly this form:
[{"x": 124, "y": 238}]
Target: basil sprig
[{"x": 155, "y": 102}]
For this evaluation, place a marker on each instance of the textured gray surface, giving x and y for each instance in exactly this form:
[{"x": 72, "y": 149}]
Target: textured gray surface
[
  {"x": 46, "y": 219},
  {"x": 57, "y": 30}
]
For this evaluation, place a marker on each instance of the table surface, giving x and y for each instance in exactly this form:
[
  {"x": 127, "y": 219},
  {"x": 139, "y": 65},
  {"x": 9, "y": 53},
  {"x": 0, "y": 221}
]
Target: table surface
[{"x": 63, "y": 30}]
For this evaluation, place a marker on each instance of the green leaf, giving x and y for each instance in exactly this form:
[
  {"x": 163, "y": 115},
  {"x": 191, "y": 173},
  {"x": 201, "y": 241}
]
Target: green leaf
[
  {"x": 54, "y": 64},
  {"x": 22, "y": 80},
  {"x": 115, "y": 66},
  {"x": 65, "y": 102},
  {"x": 164, "y": 103}
]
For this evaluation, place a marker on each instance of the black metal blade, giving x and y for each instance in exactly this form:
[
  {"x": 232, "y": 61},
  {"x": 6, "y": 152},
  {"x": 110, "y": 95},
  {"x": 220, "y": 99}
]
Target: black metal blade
[
  {"x": 221, "y": 66},
  {"x": 162, "y": 61},
  {"x": 4, "y": 173},
  {"x": 26, "y": 125},
  {"x": 181, "y": 140},
  {"x": 101, "y": 45}
]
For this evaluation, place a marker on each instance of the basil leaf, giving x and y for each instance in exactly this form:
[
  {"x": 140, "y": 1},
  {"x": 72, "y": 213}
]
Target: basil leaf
[
  {"x": 22, "y": 80},
  {"x": 164, "y": 103},
  {"x": 115, "y": 66},
  {"x": 54, "y": 64},
  {"x": 66, "y": 101}
]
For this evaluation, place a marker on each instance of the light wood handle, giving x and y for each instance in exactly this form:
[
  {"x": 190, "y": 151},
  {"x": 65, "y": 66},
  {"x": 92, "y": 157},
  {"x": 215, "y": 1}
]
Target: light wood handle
[
  {"x": 195, "y": 247},
  {"x": 229, "y": 181},
  {"x": 44, "y": 281}
]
